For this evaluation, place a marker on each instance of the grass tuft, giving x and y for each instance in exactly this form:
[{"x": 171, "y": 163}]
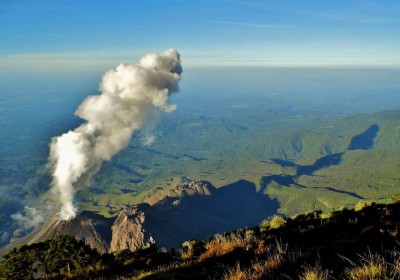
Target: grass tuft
[{"x": 314, "y": 273}]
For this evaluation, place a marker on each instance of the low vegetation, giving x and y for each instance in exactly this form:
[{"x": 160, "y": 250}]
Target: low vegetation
[
  {"x": 346, "y": 244},
  {"x": 63, "y": 255}
]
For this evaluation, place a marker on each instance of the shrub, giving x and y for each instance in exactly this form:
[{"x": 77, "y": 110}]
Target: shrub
[
  {"x": 395, "y": 198},
  {"x": 277, "y": 222},
  {"x": 325, "y": 216},
  {"x": 339, "y": 210},
  {"x": 125, "y": 257},
  {"x": 264, "y": 226},
  {"x": 361, "y": 205},
  {"x": 296, "y": 216}
]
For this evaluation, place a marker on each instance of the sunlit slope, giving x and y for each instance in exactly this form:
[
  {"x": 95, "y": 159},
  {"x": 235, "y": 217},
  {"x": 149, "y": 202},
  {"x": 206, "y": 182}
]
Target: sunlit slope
[{"x": 305, "y": 161}]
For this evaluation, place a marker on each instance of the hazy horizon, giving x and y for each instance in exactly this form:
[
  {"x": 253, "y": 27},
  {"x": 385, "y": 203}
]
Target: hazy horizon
[{"x": 95, "y": 34}]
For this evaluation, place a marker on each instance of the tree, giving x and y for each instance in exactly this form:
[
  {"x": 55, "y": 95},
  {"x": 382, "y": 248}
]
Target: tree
[{"x": 58, "y": 256}]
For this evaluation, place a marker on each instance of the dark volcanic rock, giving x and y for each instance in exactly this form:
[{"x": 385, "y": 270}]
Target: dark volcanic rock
[{"x": 93, "y": 229}]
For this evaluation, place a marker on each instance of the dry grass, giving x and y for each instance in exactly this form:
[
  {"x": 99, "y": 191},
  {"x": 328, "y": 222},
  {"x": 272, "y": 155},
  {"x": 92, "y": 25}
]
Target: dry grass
[
  {"x": 374, "y": 266},
  {"x": 237, "y": 273},
  {"x": 274, "y": 261},
  {"x": 396, "y": 263},
  {"x": 221, "y": 245},
  {"x": 366, "y": 272},
  {"x": 187, "y": 251},
  {"x": 275, "y": 257},
  {"x": 263, "y": 269},
  {"x": 261, "y": 247},
  {"x": 164, "y": 271}
]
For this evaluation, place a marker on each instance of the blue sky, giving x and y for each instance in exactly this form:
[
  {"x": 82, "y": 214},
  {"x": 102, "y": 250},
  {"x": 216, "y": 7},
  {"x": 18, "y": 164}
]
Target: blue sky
[{"x": 92, "y": 34}]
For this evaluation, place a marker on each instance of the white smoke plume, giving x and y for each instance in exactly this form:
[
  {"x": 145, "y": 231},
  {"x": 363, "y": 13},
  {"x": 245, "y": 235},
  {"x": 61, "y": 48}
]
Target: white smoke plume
[
  {"x": 31, "y": 218},
  {"x": 128, "y": 96}
]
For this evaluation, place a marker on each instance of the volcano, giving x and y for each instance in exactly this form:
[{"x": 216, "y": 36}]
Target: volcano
[{"x": 195, "y": 210}]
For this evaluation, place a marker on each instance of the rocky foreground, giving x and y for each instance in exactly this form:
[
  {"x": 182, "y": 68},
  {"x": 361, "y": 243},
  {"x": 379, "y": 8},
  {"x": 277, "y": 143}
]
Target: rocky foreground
[{"x": 356, "y": 244}]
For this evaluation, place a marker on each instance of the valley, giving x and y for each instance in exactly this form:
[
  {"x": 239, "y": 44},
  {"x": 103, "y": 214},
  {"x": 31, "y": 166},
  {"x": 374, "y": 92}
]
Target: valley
[
  {"x": 303, "y": 148},
  {"x": 331, "y": 164}
]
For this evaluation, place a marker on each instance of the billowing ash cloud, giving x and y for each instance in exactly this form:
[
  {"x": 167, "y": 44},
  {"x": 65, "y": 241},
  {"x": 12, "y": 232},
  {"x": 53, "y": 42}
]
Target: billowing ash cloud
[
  {"x": 30, "y": 219},
  {"x": 129, "y": 94}
]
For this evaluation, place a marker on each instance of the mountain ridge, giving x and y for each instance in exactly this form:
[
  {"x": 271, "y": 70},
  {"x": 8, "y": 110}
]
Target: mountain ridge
[{"x": 191, "y": 210}]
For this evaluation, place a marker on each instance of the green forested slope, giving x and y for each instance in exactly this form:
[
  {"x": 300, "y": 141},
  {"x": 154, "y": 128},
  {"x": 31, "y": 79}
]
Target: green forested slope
[{"x": 316, "y": 162}]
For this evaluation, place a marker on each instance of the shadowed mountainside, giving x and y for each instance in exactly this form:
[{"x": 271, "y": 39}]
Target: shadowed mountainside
[
  {"x": 175, "y": 219},
  {"x": 193, "y": 210},
  {"x": 362, "y": 141}
]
